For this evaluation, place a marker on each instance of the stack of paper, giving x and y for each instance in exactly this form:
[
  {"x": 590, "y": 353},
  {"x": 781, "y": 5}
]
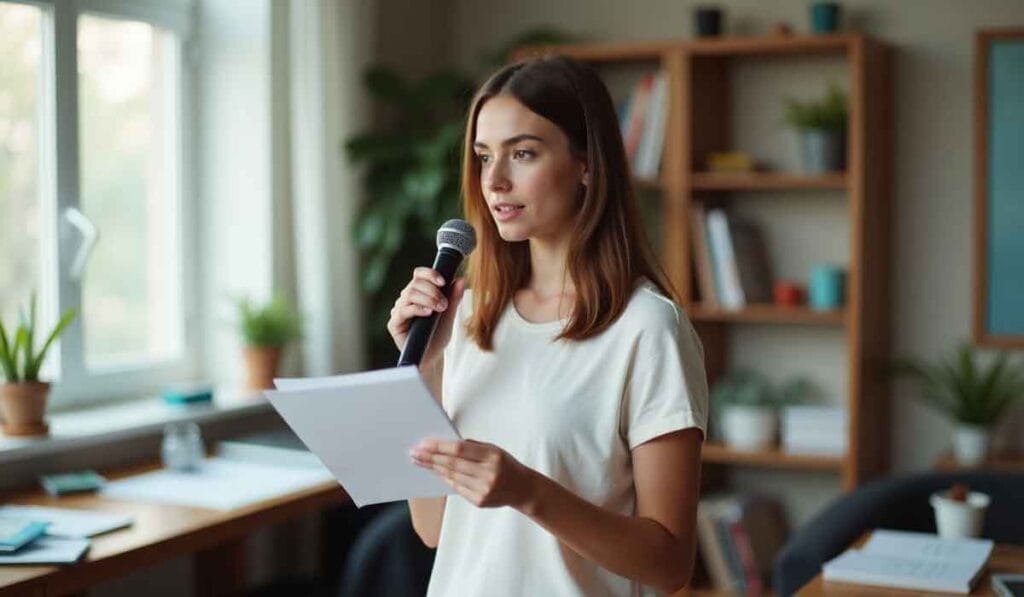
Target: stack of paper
[
  {"x": 915, "y": 561},
  {"x": 65, "y": 535},
  {"x": 68, "y": 523},
  {"x": 362, "y": 427},
  {"x": 814, "y": 430}
]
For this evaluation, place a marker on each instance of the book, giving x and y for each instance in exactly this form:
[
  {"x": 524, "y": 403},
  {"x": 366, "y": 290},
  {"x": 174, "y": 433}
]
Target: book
[
  {"x": 17, "y": 532},
  {"x": 730, "y": 293},
  {"x": 739, "y": 537},
  {"x": 48, "y": 550},
  {"x": 637, "y": 112},
  {"x": 69, "y": 523},
  {"x": 702, "y": 257},
  {"x": 752, "y": 263},
  {"x": 652, "y": 138},
  {"x": 914, "y": 561},
  {"x": 67, "y": 483}
]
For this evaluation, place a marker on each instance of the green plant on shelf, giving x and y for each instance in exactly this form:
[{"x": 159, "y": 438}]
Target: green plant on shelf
[{"x": 828, "y": 113}]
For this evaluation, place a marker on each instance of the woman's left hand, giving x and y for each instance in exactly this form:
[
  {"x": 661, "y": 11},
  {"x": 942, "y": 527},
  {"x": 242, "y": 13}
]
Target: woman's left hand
[{"x": 484, "y": 474}]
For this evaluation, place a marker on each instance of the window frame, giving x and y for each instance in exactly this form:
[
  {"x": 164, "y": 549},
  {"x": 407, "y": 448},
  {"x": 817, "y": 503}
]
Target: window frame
[{"x": 59, "y": 189}]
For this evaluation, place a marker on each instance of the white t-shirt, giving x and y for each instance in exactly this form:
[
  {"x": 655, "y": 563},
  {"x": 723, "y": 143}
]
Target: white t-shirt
[{"x": 572, "y": 411}]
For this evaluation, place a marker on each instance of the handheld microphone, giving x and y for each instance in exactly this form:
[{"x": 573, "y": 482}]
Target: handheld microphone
[{"x": 455, "y": 240}]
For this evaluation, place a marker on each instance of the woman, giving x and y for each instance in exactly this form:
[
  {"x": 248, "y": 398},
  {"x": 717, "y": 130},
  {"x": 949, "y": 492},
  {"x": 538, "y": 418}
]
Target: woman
[{"x": 577, "y": 381}]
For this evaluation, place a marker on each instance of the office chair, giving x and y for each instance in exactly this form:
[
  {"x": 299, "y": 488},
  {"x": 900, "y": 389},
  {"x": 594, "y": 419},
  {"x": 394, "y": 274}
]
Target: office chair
[
  {"x": 388, "y": 558},
  {"x": 899, "y": 503}
]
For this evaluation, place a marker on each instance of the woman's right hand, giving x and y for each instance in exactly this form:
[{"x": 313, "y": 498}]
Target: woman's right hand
[{"x": 422, "y": 296}]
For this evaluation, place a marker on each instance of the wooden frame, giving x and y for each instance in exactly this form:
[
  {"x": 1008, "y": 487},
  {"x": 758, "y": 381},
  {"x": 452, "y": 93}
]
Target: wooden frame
[{"x": 982, "y": 336}]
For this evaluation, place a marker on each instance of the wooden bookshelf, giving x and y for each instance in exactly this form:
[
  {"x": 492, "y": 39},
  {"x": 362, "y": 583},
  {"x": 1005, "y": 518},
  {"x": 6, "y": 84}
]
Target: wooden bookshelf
[
  {"x": 765, "y": 181},
  {"x": 699, "y": 122}
]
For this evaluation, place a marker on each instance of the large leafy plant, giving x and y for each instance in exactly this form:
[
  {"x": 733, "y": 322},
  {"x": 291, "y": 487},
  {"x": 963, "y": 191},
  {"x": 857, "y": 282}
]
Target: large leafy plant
[
  {"x": 964, "y": 390},
  {"x": 19, "y": 358},
  {"x": 413, "y": 174}
]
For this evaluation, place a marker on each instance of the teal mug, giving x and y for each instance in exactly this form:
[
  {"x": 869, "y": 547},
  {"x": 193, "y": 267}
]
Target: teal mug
[
  {"x": 827, "y": 287},
  {"x": 824, "y": 17}
]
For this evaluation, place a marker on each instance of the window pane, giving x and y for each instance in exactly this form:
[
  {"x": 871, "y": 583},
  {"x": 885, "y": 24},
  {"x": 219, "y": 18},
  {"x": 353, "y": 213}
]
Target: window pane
[
  {"x": 20, "y": 221},
  {"x": 131, "y": 288}
]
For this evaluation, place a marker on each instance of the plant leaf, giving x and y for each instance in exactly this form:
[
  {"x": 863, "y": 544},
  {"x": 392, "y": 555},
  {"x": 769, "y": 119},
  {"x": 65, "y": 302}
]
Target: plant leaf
[
  {"x": 8, "y": 358},
  {"x": 386, "y": 84},
  {"x": 37, "y": 363}
]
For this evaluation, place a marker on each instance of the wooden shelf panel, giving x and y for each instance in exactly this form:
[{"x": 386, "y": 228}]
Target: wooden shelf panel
[
  {"x": 774, "y": 458},
  {"x": 765, "y": 181},
  {"x": 768, "y": 314},
  {"x": 647, "y": 184},
  {"x": 774, "y": 44}
]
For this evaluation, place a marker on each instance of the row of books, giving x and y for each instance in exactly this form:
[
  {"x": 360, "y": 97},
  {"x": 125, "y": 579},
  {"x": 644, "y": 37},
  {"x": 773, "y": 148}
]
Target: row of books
[
  {"x": 738, "y": 539},
  {"x": 642, "y": 120},
  {"x": 814, "y": 430},
  {"x": 731, "y": 260}
]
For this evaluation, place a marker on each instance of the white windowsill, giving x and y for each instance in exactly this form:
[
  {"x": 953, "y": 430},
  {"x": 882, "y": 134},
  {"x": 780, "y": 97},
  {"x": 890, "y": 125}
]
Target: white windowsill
[{"x": 106, "y": 424}]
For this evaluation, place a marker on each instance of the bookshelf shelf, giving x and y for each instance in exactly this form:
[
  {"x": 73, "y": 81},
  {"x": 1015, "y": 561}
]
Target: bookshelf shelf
[
  {"x": 720, "y": 454},
  {"x": 768, "y": 314},
  {"x": 700, "y": 121},
  {"x": 765, "y": 181}
]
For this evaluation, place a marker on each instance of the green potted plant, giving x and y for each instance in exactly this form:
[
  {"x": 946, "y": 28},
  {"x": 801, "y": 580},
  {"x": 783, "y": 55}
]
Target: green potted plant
[
  {"x": 746, "y": 404},
  {"x": 821, "y": 125},
  {"x": 973, "y": 396},
  {"x": 23, "y": 395},
  {"x": 267, "y": 328}
]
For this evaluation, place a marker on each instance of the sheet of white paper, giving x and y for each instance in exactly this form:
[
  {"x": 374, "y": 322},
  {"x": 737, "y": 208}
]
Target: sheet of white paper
[
  {"x": 362, "y": 427},
  {"x": 218, "y": 484},
  {"x": 48, "y": 550},
  {"x": 68, "y": 523}
]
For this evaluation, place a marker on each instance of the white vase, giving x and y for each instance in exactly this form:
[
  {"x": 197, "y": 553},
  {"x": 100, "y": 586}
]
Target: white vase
[
  {"x": 957, "y": 520},
  {"x": 749, "y": 428},
  {"x": 970, "y": 444}
]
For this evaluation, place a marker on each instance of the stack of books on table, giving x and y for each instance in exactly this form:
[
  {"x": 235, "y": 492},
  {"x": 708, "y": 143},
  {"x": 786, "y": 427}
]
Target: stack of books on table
[
  {"x": 40, "y": 535},
  {"x": 814, "y": 430},
  {"x": 914, "y": 561}
]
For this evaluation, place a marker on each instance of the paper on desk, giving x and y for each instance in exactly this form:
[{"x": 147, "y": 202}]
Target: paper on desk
[
  {"x": 48, "y": 550},
  {"x": 69, "y": 523},
  {"x": 362, "y": 427},
  {"x": 217, "y": 483}
]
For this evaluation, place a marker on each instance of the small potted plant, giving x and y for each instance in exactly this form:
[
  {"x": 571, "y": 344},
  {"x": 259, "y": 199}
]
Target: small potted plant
[
  {"x": 746, "y": 404},
  {"x": 266, "y": 330},
  {"x": 23, "y": 395},
  {"x": 973, "y": 396},
  {"x": 821, "y": 125}
]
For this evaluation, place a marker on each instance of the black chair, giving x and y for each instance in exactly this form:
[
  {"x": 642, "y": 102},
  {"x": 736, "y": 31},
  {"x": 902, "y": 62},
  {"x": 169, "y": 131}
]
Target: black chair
[
  {"x": 896, "y": 503},
  {"x": 388, "y": 558}
]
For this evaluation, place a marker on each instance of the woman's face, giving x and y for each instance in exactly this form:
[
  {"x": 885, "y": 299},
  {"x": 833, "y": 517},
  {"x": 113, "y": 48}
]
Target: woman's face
[{"x": 528, "y": 177}]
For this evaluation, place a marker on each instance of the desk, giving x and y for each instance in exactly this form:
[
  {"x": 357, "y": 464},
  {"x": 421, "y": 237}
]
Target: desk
[
  {"x": 1005, "y": 558},
  {"x": 161, "y": 532}
]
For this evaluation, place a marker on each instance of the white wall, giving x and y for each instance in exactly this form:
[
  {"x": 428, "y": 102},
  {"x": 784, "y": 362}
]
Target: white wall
[{"x": 933, "y": 51}]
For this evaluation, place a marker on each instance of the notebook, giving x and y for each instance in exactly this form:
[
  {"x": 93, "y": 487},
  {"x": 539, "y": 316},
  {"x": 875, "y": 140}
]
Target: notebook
[
  {"x": 16, "y": 532},
  {"x": 915, "y": 561},
  {"x": 69, "y": 523}
]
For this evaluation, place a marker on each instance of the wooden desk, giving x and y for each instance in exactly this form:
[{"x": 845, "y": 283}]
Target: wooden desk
[
  {"x": 161, "y": 532},
  {"x": 1005, "y": 558}
]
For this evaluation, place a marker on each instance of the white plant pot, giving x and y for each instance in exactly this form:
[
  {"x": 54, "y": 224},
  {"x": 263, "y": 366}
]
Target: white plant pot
[
  {"x": 957, "y": 520},
  {"x": 970, "y": 444},
  {"x": 749, "y": 428}
]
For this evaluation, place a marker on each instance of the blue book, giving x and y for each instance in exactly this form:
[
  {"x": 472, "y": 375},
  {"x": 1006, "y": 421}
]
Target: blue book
[{"x": 15, "y": 533}]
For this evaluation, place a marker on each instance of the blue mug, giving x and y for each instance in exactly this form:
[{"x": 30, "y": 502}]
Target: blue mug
[
  {"x": 827, "y": 287},
  {"x": 824, "y": 17}
]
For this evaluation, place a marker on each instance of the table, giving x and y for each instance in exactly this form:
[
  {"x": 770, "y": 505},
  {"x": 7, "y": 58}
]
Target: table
[
  {"x": 161, "y": 532},
  {"x": 1005, "y": 558}
]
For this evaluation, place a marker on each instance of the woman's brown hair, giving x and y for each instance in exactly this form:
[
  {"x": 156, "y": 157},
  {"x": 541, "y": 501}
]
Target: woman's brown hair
[{"x": 609, "y": 252}]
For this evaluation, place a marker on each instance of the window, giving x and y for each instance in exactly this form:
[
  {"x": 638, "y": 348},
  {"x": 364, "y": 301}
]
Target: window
[{"x": 94, "y": 133}]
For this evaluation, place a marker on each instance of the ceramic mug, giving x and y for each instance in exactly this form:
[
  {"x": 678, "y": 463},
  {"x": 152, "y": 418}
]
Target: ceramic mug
[{"x": 827, "y": 287}]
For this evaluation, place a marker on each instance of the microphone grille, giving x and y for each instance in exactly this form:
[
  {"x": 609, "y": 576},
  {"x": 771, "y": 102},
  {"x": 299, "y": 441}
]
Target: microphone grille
[{"x": 457, "y": 234}]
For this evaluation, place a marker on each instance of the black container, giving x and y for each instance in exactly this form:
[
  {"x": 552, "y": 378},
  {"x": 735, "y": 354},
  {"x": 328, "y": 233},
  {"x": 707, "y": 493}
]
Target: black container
[{"x": 708, "y": 21}]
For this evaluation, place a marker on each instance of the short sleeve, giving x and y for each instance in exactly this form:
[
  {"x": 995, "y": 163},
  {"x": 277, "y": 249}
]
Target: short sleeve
[{"x": 667, "y": 388}]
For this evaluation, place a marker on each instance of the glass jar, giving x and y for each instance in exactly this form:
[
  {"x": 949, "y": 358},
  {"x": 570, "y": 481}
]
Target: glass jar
[{"x": 182, "y": 447}]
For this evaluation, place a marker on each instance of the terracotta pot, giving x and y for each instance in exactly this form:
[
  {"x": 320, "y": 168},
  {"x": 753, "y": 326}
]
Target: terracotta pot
[
  {"x": 23, "y": 408},
  {"x": 261, "y": 363}
]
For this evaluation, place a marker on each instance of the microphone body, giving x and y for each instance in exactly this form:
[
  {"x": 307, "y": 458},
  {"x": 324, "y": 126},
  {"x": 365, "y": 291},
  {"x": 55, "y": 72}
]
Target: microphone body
[{"x": 446, "y": 263}]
